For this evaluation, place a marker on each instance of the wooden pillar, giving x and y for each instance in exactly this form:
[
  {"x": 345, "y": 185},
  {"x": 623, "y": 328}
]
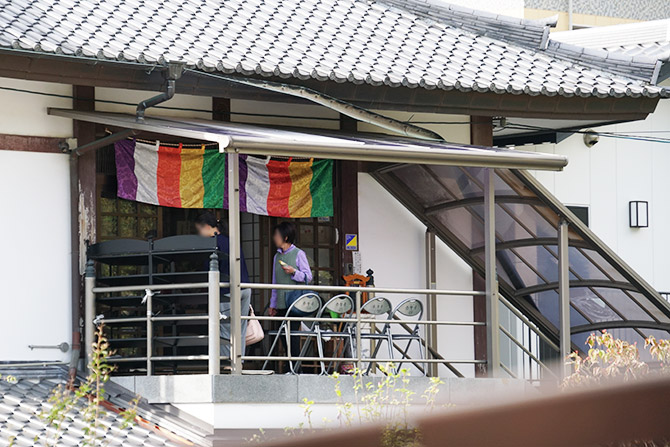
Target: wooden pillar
[
  {"x": 84, "y": 132},
  {"x": 481, "y": 134},
  {"x": 347, "y": 198},
  {"x": 221, "y": 109},
  {"x": 82, "y": 206}
]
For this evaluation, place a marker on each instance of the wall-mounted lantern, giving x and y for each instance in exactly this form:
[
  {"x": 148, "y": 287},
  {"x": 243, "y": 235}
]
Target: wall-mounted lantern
[{"x": 638, "y": 211}]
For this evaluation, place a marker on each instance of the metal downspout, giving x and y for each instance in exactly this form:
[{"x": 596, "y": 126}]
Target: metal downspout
[
  {"x": 174, "y": 72},
  {"x": 74, "y": 256}
]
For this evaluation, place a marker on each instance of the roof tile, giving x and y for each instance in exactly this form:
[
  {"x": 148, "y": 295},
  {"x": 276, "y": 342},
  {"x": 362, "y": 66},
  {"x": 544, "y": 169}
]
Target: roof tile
[{"x": 396, "y": 42}]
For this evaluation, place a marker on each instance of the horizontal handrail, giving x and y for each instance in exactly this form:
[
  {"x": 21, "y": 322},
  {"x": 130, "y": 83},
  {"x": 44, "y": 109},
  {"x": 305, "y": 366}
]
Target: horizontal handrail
[
  {"x": 302, "y": 319},
  {"x": 186, "y": 285},
  {"x": 156, "y": 318},
  {"x": 360, "y": 289},
  {"x": 292, "y": 358},
  {"x": 365, "y": 320},
  {"x": 354, "y": 359},
  {"x": 314, "y": 288}
]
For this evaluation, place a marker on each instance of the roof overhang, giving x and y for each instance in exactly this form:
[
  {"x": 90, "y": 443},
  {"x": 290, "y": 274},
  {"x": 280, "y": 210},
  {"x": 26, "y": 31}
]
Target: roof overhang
[
  {"x": 257, "y": 140},
  {"x": 66, "y": 69}
]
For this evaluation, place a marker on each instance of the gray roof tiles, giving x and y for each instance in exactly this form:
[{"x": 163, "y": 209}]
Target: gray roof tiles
[
  {"x": 410, "y": 43},
  {"x": 21, "y": 404}
]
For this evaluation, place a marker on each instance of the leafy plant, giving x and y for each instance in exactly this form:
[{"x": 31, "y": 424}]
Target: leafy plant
[
  {"x": 609, "y": 357},
  {"x": 87, "y": 398},
  {"x": 386, "y": 402}
]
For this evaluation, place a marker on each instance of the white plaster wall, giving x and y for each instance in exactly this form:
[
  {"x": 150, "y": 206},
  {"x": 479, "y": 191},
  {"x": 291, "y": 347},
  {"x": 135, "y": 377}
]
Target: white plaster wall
[
  {"x": 26, "y": 114},
  {"x": 35, "y": 286},
  {"x": 612, "y": 173},
  {"x": 392, "y": 243}
]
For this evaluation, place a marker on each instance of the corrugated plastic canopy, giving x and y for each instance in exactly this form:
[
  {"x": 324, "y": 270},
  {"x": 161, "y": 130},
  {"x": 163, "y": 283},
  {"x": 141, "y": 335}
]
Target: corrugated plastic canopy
[
  {"x": 257, "y": 140},
  {"x": 605, "y": 293}
]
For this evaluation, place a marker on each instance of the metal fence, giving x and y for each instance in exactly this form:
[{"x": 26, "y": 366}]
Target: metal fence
[{"x": 213, "y": 285}]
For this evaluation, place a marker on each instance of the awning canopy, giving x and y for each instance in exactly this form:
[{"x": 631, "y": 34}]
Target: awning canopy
[
  {"x": 257, "y": 140},
  {"x": 605, "y": 293}
]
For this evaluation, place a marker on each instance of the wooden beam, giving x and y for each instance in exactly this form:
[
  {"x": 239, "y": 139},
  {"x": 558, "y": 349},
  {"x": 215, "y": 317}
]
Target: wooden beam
[
  {"x": 347, "y": 206},
  {"x": 30, "y": 143},
  {"x": 62, "y": 69},
  {"x": 83, "y": 195}
]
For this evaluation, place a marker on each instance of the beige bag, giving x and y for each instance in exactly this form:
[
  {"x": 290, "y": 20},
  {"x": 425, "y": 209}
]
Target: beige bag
[{"x": 254, "y": 329}]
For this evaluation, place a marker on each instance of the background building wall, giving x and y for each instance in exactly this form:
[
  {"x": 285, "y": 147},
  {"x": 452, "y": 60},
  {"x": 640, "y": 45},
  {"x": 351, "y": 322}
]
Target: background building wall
[
  {"x": 612, "y": 173},
  {"x": 625, "y": 9}
]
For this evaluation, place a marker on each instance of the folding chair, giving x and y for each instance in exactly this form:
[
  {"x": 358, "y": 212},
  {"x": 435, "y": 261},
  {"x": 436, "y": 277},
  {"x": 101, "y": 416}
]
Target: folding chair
[
  {"x": 341, "y": 305},
  {"x": 408, "y": 308},
  {"x": 375, "y": 307},
  {"x": 309, "y": 304}
]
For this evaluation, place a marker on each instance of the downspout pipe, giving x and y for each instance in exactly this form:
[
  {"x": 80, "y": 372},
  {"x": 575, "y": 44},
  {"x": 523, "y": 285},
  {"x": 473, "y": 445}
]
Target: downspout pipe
[
  {"x": 76, "y": 279},
  {"x": 174, "y": 72}
]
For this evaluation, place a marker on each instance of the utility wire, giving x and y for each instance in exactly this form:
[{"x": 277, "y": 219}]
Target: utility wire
[
  {"x": 188, "y": 109},
  {"x": 509, "y": 125},
  {"x": 624, "y": 136}
]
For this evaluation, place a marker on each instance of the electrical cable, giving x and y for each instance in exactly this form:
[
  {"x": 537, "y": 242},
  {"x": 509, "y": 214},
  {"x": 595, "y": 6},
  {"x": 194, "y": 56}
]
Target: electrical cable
[{"x": 509, "y": 125}]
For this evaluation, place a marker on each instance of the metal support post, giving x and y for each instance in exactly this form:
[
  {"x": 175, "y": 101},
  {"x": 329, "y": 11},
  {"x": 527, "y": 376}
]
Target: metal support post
[
  {"x": 235, "y": 262},
  {"x": 359, "y": 348},
  {"x": 89, "y": 310},
  {"x": 150, "y": 330},
  {"x": 213, "y": 316},
  {"x": 431, "y": 301},
  {"x": 492, "y": 302},
  {"x": 564, "y": 293}
]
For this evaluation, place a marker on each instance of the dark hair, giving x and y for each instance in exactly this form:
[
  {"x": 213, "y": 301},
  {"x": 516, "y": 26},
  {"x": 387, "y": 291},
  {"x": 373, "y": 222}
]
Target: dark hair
[
  {"x": 208, "y": 218},
  {"x": 287, "y": 231}
]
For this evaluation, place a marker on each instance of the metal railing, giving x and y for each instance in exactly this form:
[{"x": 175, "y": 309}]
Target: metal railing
[
  {"x": 525, "y": 349},
  {"x": 214, "y": 317}
]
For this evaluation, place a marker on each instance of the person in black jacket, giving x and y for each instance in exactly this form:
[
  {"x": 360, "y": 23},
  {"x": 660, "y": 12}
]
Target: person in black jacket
[{"x": 209, "y": 226}]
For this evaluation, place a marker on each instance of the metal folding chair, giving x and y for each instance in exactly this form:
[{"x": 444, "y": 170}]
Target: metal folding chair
[
  {"x": 309, "y": 304},
  {"x": 341, "y": 305},
  {"x": 408, "y": 308},
  {"x": 374, "y": 307}
]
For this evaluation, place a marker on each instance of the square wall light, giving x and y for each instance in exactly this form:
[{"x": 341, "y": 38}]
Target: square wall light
[{"x": 638, "y": 212}]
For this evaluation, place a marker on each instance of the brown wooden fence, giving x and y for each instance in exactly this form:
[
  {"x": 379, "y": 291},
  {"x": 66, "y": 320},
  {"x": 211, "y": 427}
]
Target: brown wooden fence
[{"x": 601, "y": 416}]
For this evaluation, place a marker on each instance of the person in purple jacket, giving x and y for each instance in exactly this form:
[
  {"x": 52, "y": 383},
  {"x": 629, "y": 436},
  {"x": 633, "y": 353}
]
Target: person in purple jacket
[{"x": 293, "y": 269}]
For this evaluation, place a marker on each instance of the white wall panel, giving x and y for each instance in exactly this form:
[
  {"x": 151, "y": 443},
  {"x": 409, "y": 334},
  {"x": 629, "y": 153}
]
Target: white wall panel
[{"x": 35, "y": 289}]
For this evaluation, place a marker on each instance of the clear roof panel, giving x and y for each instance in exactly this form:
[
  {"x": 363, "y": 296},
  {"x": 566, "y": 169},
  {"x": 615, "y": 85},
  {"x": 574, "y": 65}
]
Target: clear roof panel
[{"x": 604, "y": 292}]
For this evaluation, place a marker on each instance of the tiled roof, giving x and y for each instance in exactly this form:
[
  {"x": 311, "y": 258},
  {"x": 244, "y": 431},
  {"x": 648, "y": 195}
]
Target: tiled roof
[
  {"x": 395, "y": 43},
  {"x": 22, "y": 402},
  {"x": 637, "y": 41}
]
